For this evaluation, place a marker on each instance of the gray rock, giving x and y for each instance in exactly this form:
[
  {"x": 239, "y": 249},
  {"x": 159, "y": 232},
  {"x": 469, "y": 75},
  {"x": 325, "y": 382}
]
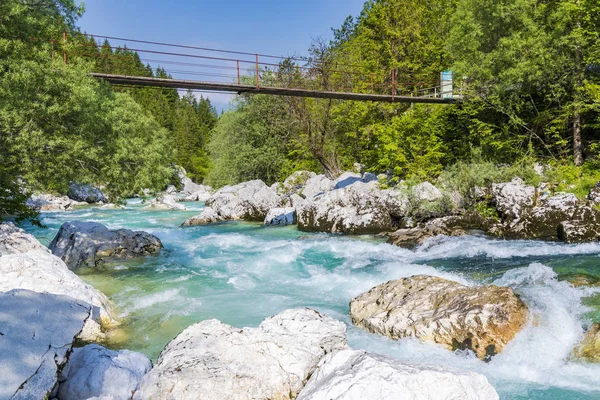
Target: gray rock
[
  {"x": 211, "y": 360},
  {"x": 94, "y": 371},
  {"x": 15, "y": 240},
  {"x": 483, "y": 319},
  {"x": 86, "y": 193},
  {"x": 250, "y": 201},
  {"x": 356, "y": 374},
  {"x": 295, "y": 182},
  {"x": 512, "y": 198},
  {"x": 37, "y": 331},
  {"x": 281, "y": 216},
  {"x": 171, "y": 189},
  {"x": 166, "y": 202},
  {"x": 88, "y": 244}
]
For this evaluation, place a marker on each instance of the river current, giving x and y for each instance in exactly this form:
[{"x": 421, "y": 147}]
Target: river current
[{"x": 241, "y": 273}]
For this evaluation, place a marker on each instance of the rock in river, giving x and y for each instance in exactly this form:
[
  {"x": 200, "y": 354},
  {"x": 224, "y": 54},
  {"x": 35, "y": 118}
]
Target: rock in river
[
  {"x": 166, "y": 202},
  {"x": 249, "y": 201},
  {"x": 96, "y": 372},
  {"x": 483, "y": 319},
  {"x": 589, "y": 348},
  {"x": 211, "y": 360},
  {"x": 87, "y": 244},
  {"x": 37, "y": 331},
  {"x": 15, "y": 240},
  {"x": 86, "y": 193},
  {"x": 356, "y": 374}
]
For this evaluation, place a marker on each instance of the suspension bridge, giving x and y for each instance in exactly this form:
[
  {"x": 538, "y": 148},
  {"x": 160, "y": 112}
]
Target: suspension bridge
[{"x": 218, "y": 70}]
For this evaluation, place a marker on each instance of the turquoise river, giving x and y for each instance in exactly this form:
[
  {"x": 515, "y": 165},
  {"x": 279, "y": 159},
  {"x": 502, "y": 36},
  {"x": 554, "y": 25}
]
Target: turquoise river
[{"x": 241, "y": 273}]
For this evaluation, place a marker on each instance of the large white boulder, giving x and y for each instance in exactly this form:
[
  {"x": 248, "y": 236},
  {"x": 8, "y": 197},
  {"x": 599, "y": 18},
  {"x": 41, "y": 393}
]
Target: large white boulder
[
  {"x": 294, "y": 182},
  {"x": 250, "y": 201},
  {"x": 207, "y": 216},
  {"x": 359, "y": 208},
  {"x": 357, "y": 375},
  {"x": 37, "y": 331},
  {"x": 211, "y": 360},
  {"x": 87, "y": 244},
  {"x": 511, "y": 198},
  {"x": 94, "y": 371},
  {"x": 16, "y": 240},
  {"x": 425, "y": 191},
  {"x": 42, "y": 272},
  {"x": 479, "y": 318},
  {"x": 166, "y": 201}
]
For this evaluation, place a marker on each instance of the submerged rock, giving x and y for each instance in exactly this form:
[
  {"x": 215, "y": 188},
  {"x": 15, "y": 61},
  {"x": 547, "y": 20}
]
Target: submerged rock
[
  {"x": 86, "y": 193},
  {"x": 281, "y": 216},
  {"x": 37, "y": 331},
  {"x": 87, "y": 244},
  {"x": 483, "y": 319},
  {"x": 49, "y": 202},
  {"x": 250, "y": 201},
  {"x": 212, "y": 360},
  {"x": 96, "y": 372},
  {"x": 589, "y": 348},
  {"x": 356, "y": 374},
  {"x": 166, "y": 202}
]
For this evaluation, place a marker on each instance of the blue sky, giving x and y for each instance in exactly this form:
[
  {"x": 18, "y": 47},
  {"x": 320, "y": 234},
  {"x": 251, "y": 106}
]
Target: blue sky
[{"x": 260, "y": 26}]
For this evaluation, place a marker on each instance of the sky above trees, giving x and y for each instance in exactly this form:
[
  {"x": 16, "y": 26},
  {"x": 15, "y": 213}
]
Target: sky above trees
[{"x": 266, "y": 26}]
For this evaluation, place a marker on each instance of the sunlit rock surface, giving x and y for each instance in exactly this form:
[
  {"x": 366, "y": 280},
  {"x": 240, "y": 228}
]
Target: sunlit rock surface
[
  {"x": 87, "y": 244},
  {"x": 356, "y": 374},
  {"x": 95, "y": 371},
  {"x": 16, "y": 240},
  {"x": 166, "y": 201},
  {"x": 483, "y": 319},
  {"x": 212, "y": 360},
  {"x": 511, "y": 198},
  {"x": 37, "y": 331},
  {"x": 49, "y": 202}
]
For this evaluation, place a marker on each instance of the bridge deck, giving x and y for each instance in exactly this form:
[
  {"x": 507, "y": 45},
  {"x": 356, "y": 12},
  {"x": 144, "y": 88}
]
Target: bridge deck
[{"x": 239, "y": 88}]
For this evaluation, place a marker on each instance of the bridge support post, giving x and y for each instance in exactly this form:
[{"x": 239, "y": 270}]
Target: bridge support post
[
  {"x": 238, "y": 71},
  {"x": 257, "y": 71}
]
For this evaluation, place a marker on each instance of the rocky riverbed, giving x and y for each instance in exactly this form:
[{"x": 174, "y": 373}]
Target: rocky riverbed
[{"x": 503, "y": 317}]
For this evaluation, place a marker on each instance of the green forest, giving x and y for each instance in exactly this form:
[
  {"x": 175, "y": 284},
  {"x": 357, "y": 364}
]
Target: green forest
[{"x": 529, "y": 73}]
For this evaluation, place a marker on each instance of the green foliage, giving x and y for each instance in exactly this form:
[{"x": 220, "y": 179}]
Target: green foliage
[{"x": 569, "y": 178}]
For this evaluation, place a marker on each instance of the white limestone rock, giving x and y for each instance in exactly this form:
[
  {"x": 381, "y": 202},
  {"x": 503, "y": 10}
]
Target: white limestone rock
[
  {"x": 425, "y": 191},
  {"x": 49, "y": 202},
  {"x": 250, "y": 201},
  {"x": 281, "y": 216},
  {"x": 86, "y": 193},
  {"x": 347, "y": 179},
  {"x": 482, "y": 319},
  {"x": 94, "y": 371},
  {"x": 166, "y": 202},
  {"x": 88, "y": 244},
  {"x": 360, "y": 208},
  {"x": 15, "y": 240},
  {"x": 37, "y": 331},
  {"x": 212, "y": 360},
  {"x": 512, "y": 198},
  {"x": 356, "y": 375},
  {"x": 295, "y": 182},
  {"x": 316, "y": 186},
  {"x": 40, "y": 271}
]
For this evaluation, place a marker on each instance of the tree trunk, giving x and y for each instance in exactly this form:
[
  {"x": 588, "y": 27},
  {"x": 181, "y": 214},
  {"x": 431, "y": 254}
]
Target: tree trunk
[{"x": 577, "y": 145}]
